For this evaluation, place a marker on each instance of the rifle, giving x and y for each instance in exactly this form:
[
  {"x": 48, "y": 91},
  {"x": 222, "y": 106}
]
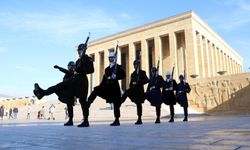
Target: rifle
[
  {"x": 172, "y": 74},
  {"x": 116, "y": 52},
  {"x": 158, "y": 65},
  {"x": 86, "y": 44},
  {"x": 138, "y": 68}
]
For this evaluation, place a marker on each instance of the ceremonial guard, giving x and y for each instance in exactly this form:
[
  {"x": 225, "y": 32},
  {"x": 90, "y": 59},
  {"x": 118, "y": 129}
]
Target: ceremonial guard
[
  {"x": 153, "y": 94},
  {"x": 181, "y": 95},
  {"x": 136, "y": 90},
  {"x": 109, "y": 88},
  {"x": 76, "y": 86},
  {"x": 67, "y": 93},
  {"x": 168, "y": 95}
]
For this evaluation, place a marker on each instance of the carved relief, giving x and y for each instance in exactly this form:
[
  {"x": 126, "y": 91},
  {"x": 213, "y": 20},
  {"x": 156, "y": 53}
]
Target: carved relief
[{"x": 210, "y": 94}]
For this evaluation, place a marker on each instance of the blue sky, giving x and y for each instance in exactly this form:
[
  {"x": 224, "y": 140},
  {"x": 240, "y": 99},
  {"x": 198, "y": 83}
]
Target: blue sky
[{"x": 36, "y": 35}]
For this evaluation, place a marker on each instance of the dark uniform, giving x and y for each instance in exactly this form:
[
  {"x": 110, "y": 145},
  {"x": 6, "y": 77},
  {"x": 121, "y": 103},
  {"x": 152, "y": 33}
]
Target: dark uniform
[
  {"x": 181, "y": 96},
  {"x": 153, "y": 94},
  {"x": 65, "y": 95},
  {"x": 109, "y": 89},
  {"x": 168, "y": 95},
  {"x": 136, "y": 91},
  {"x": 76, "y": 86}
]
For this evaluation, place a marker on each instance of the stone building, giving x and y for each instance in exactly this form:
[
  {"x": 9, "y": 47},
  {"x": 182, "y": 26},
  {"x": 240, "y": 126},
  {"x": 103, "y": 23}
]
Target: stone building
[{"x": 183, "y": 40}]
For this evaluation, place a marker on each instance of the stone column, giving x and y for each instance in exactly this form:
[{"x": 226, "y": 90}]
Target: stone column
[
  {"x": 208, "y": 70},
  {"x": 106, "y": 58},
  {"x": 132, "y": 57},
  {"x": 219, "y": 60},
  {"x": 212, "y": 60},
  {"x": 223, "y": 61},
  {"x": 144, "y": 56},
  {"x": 158, "y": 53},
  {"x": 216, "y": 60},
  {"x": 226, "y": 63},
  {"x": 233, "y": 66},
  {"x": 97, "y": 69},
  {"x": 202, "y": 57},
  {"x": 192, "y": 59},
  {"x": 173, "y": 53},
  {"x": 230, "y": 65}
]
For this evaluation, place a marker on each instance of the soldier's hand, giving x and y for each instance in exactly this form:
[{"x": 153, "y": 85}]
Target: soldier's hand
[{"x": 56, "y": 67}]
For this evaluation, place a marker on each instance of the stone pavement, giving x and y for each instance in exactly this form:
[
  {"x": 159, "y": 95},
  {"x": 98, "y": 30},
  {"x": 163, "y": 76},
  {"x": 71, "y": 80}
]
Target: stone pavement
[{"x": 201, "y": 132}]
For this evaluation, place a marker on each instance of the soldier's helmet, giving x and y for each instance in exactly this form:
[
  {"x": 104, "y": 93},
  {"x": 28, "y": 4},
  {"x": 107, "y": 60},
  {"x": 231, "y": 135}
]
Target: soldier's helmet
[
  {"x": 168, "y": 73},
  {"x": 136, "y": 62},
  {"x": 181, "y": 77},
  {"x": 71, "y": 63},
  {"x": 153, "y": 69},
  {"x": 81, "y": 47}
]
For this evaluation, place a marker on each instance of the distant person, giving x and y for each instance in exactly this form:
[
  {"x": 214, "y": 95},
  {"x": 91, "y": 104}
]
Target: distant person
[
  {"x": 38, "y": 114},
  {"x": 66, "y": 113},
  {"x": 153, "y": 94},
  {"x": 1, "y": 112},
  {"x": 15, "y": 112},
  {"x": 42, "y": 113},
  {"x": 6, "y": 112},
  {"x": 28, "y": 112},
  {"x": 10, "y": 113},
  {"x": 51, "y": 112},
  {"x": 181, "y": 96}
]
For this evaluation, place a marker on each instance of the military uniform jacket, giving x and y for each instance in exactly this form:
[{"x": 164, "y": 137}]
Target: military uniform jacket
[
  {"x": 168, "y": 95},
  {"x": 181, "y": 93},
  {"x": 66, "y": 95},
  {"x": 77, "y": 85},
  {"x": 84, "y": 66},
  {"x": 109, "y": 89},
  {"x": 136, "y": 89},
  {"x": 153, "y": 94}
]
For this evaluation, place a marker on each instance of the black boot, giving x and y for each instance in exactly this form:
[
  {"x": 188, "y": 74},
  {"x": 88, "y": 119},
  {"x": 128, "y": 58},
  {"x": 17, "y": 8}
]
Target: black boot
[
  {"x": 69, "y": 123},
  {"x": 171, "y": 119},
  {"x": 158, "y": 120},
  {"x": 185, "y": 119},
  {"x": 115, "y": 123},
  {"x": 138, "y": 121},
  {"x": 85, "y": 123},
  {"x": 39, "y": 92}
]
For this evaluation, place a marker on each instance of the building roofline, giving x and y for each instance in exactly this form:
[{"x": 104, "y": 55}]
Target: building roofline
[
  {"x": 198, "y": 19},
  {"x": 141, "y": 28},
  {"x": 164, "y": 21}
]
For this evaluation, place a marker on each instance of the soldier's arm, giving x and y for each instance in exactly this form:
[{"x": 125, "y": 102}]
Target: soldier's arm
[
  {"x": 144, "y": 78},
  {"x": 160, "y": 81},
  {"x": 120, "y": 73},
  {"x": 62, "y": 69},
  {"x": 188, "y": 89}
]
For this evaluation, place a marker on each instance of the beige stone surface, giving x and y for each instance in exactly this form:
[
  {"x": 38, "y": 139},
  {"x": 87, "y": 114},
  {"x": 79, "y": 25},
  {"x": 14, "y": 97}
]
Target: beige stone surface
[
  {"x": 193, "y": 47},
  {"x": 222, "y": 94}
]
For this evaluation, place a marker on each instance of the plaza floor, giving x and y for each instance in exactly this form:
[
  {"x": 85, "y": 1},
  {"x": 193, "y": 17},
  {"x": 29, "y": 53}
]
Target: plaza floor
[{"x": 230, "y": 132}]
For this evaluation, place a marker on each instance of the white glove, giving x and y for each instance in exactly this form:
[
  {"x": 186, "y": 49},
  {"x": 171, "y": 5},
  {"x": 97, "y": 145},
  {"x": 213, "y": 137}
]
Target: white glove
[{"x": 113, "y": 76}]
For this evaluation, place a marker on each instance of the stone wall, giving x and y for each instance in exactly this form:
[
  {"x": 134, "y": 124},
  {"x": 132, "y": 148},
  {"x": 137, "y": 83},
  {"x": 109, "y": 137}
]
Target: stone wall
[{"x": 221, "y": 94}]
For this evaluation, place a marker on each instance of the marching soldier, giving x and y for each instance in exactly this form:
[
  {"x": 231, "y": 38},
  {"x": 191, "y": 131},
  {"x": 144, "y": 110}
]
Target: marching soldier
[
  {"x": 153, "y": 94},
  {"x": 181, "y": 95},
  {"x": 68, "y": 98},
  {"x": 136, "y": 89},
  {"x": 168, "y": 94},
  {"x": 77, "y": 85},
  {"x": 109, "y": 88}
]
